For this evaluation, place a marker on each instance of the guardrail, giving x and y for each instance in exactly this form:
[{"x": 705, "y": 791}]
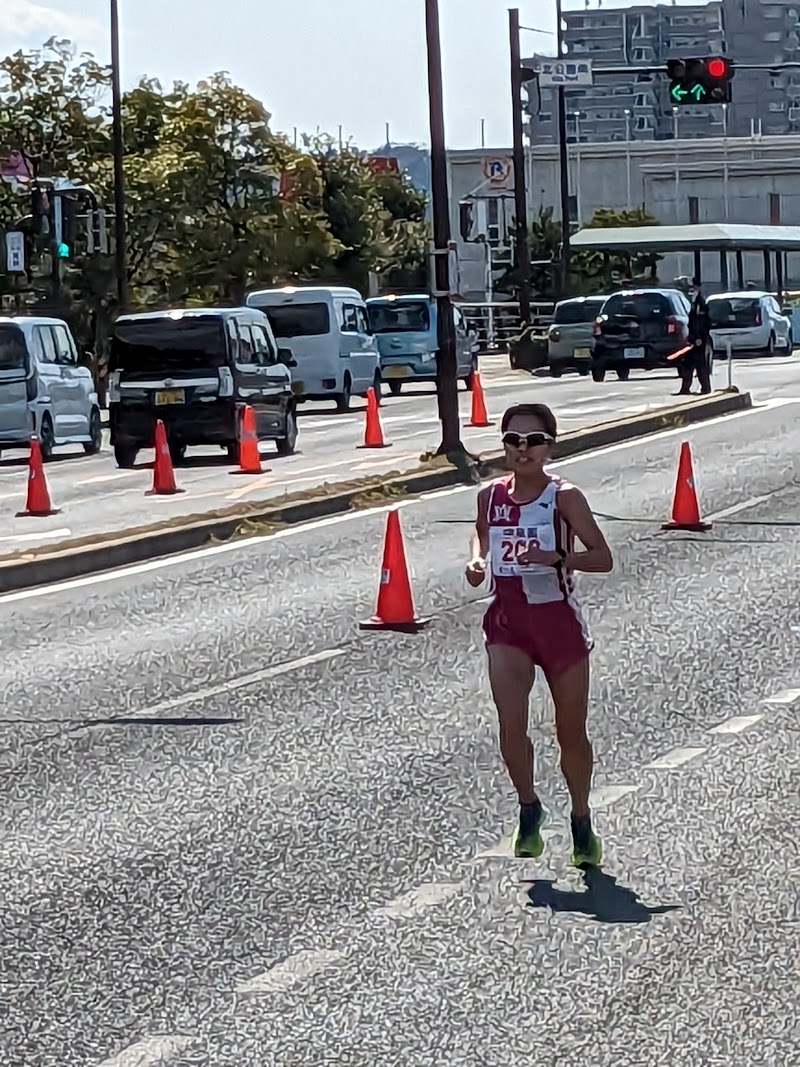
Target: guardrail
[{"x": 498, "y": 322}]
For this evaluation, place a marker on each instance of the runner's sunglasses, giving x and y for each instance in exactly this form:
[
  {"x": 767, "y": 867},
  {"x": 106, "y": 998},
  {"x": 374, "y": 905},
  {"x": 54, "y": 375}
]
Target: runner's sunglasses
[{"x": 532, "y": 440}]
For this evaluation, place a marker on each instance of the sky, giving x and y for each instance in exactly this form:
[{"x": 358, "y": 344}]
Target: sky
[{"x": 358, "y": 64}]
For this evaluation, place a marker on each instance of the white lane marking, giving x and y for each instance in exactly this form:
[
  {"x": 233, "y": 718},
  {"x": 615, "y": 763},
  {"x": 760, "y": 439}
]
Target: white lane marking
[
  {"x": 734, "y": 509},
  {"x": 736, "y": 724},
  {"x": 786, "y": 696},
  {"x": 297, "y": 968},
  {"x": 98, "y": 478},
  {"x": 417, "y": 900},
  {"x": 351, "y": 516},
  {"x": 151, "y": 1052},
  {"x": 603, "y": 797},
  {"x": 676, "y": 758},
  {"x": 40, "y": 535},
  {"x": 200, "y": 695}
]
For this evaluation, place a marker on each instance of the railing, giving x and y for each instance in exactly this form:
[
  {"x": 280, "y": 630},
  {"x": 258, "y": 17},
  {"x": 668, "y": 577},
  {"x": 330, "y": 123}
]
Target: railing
[{"x": 498, "y": 322}]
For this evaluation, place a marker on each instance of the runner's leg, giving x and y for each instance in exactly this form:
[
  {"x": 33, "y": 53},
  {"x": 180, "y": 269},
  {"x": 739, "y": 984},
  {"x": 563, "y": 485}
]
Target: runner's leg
[{"x": 511, "y": 675}]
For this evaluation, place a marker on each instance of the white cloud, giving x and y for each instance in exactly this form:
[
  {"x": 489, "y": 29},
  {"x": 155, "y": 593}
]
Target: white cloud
[{"x": 26, "y": 24}]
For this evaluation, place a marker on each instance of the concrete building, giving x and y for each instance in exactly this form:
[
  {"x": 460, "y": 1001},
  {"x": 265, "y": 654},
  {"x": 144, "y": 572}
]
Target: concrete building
[
  {"x": 637, "y": 106},
  {"x": 737, "y": 180}
]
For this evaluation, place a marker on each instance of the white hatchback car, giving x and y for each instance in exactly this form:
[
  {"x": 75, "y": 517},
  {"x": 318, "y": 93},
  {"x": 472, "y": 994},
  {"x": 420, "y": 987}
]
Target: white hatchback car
[
  {"x": 749, "y": 321},
  {"x": 44, "y": 389}
]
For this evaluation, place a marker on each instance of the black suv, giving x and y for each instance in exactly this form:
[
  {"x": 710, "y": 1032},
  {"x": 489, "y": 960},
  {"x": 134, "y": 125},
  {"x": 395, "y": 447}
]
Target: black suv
[{"x": 639, "y": 328}]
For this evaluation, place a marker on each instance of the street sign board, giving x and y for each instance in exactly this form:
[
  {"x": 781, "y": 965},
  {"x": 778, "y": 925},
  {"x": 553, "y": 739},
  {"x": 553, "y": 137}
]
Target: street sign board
[
  {"x": 15, "y": 252},
  {"x": 554, "y": 72},
  {"x": 497, "y": 170}
]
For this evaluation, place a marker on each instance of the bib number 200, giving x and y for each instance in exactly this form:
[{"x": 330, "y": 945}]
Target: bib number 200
[{"x": 510, "y": 551}]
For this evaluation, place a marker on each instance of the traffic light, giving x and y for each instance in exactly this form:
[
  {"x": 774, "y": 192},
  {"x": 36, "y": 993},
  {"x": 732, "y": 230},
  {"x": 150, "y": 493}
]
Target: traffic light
[{"x": 700, "y": 81}]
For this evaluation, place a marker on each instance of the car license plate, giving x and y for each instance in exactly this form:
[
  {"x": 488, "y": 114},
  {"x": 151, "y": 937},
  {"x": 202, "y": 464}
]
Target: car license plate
[
  {"x": 634, "y": 353},
  {"x": 170, "y": 396},
  {"x": 395, "y": 372},
  {"x": 582, "y": 353}
]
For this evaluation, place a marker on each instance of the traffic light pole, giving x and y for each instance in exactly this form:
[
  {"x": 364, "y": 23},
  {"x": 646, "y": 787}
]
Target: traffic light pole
[
  {"x": 522, "y": 256},
  {"x": 121, "y": 241}
]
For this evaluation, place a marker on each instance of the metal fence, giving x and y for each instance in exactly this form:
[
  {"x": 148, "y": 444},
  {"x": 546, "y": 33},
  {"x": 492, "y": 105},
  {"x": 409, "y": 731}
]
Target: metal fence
[{"x": 498, "y": 322}]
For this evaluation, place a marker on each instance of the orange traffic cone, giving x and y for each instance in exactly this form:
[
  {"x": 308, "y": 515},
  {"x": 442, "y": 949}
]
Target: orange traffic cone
[
  {"x": 38, "y": 502},
  {"x": 249, "y": 456},
  {"x": 685, "y": 506},
  {"x": 163, "y": 474},
  {"x": 395, "y": 607},
  {"x": 373, "y": 431},
  {"x": 479, "y": 416}
]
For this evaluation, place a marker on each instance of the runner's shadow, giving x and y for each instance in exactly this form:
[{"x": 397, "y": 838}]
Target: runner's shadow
[{"x": 603, "y": 899}]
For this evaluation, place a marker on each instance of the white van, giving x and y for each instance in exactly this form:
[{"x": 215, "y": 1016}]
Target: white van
[
  {"x": 44, "y": 390},
  {"x": 328, "y": 332}
]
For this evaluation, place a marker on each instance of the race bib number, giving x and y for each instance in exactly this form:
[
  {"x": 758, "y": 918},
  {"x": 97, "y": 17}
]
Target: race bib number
[{"x": 508, "y": 544}]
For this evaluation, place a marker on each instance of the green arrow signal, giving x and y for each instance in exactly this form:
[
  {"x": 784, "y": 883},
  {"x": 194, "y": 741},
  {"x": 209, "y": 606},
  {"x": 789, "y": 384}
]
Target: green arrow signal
[
  {"x": 697, "y": 91},
  {"x": 677, "y": 93}
]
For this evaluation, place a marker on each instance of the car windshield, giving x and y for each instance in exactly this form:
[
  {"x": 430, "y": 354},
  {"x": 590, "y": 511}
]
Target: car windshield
[
  {"x": 639, "y": 306},
  {"x": 573, "y": 312},
  {"x": 159, "y": 344},
  {"x": 733, "y": 311},
  {"x": 405, "y": 317},
  {"x": 12, "y": 348},
  {"x": 298, "y": 320}
]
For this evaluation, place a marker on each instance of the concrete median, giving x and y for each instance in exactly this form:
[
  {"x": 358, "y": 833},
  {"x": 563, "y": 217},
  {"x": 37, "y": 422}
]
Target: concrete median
[{"x": 91, "y": 554}]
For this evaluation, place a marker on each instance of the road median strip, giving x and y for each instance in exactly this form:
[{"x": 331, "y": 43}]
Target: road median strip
[{"x": 27, "y": 568}]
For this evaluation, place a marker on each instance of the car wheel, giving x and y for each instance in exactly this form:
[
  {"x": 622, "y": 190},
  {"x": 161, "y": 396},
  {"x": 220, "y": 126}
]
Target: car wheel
[
  {"x": 789, "y": 346},
  {"x": 343, "y": 399},
  {"x": 556, "y": 372},
  {"x": 770, "y": 349},
  {"x": 288, "y": 443},
  {"x": 377, "y": 385},
  {"x": 47, "y": 439},
  {"x": 232, "y": 451},
  {"x": 395, "y": 387},
  {"x": 624, "y": 373},
  {"x": 598, "y": 374},
  {"x": 583, "y": 371},
  {"x": 96, "y": 434},
  {"x": 125, "y": 455}
]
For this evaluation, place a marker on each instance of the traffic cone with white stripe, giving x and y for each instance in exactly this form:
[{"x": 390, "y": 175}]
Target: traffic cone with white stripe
[{"x": 685, "y": 505}]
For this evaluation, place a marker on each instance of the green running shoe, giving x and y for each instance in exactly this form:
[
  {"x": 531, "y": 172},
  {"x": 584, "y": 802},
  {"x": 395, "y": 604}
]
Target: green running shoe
[
  {"x": 587, "y": 848},
  {"x": 527, "y": 839}
]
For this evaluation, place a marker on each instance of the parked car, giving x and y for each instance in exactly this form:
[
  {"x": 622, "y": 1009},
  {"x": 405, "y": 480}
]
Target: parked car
[
  {"x": 406, "y": 330},
  {"x": 44, "y": 388},
  {"x": 328, "y": 333},
  {"x": 751, "y": 321},
  {"x": 639, "y": 328},
  {"x": 570, "y": 339},
  {"x": 195, "y": 370}
]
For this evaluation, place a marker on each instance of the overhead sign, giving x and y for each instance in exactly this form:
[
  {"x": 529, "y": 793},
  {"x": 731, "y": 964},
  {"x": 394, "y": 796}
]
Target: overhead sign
[
  {"x": 570, "y": 72},
  {"x": 15, "y": 252},
  {"x": 497, "y": 170}
]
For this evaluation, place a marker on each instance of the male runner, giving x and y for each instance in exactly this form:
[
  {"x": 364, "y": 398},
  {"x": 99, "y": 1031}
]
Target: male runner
[{"x": 526, "y": 527}]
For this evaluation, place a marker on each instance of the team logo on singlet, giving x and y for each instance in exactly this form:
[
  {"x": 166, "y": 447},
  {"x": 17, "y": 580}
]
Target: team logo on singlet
[{"x": 501, "y": 513}]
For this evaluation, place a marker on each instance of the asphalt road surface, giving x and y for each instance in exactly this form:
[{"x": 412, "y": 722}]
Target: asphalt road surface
[
  {"x": 95, "y": 496},
  {"x": 236, "y": 830}
]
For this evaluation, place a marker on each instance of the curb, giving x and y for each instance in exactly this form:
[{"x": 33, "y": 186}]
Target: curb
[{"x": 89, "y": 556}]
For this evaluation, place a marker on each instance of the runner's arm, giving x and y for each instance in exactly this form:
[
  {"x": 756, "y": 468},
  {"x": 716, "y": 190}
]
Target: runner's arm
[
  {"x": 597, "y": 558},
  {"x": 479, "y": 545}
]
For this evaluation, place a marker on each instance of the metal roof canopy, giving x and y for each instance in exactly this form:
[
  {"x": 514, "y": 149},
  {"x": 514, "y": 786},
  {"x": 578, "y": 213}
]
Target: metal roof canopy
[{"x": 700, "y": 238}]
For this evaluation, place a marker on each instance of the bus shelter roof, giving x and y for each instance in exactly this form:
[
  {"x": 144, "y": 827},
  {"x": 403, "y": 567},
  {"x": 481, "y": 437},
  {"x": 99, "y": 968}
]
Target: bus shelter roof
[{"x": 706, "y": 237}]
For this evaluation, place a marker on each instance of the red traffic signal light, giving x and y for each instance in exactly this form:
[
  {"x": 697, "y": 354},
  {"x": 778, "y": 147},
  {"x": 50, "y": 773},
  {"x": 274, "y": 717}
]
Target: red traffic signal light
[{"x": 717, "y": 67}]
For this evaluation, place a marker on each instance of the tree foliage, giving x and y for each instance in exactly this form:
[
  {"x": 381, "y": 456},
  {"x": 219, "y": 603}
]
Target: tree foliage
[{"x": 217, "y": 202}]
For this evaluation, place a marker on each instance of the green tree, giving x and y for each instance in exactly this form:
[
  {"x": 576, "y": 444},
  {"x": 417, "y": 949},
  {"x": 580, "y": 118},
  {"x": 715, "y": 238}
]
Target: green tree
[{"x": 597, "y": 270}]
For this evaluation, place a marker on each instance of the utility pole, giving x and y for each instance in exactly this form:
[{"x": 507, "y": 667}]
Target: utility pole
[
  {"x": 563, "y": 166},
  {"x": 522, "y": 252},
  {"x": 446, "y": 363},
  {"x": 119, "y": 173}
]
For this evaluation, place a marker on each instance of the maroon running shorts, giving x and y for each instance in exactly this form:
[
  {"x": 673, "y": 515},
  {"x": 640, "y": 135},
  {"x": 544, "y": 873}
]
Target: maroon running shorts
[{"x": 554, "y": 636}]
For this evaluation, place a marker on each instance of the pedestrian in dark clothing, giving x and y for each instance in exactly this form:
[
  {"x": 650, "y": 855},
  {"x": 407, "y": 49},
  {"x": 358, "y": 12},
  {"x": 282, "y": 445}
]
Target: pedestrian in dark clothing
[{"x": 698, "y": 360}]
